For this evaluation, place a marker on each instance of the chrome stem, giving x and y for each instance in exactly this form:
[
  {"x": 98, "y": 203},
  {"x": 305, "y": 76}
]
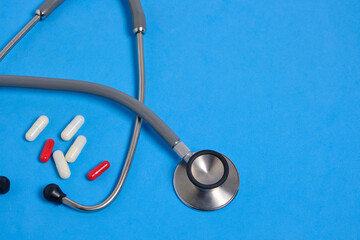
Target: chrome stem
[{"x": 18, "y": 36}]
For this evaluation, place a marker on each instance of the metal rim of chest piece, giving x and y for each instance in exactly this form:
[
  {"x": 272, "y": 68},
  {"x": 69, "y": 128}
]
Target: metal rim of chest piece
[{"x": 208, "y": 181}]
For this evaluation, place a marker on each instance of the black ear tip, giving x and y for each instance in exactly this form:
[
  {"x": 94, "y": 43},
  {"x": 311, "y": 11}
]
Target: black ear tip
[
  {"x": 53, "y": 193},
  {"x": 4, "y": 185}
]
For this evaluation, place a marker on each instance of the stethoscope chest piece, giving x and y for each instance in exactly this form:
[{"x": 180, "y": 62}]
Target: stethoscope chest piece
[{"x": 208, "y": 181}]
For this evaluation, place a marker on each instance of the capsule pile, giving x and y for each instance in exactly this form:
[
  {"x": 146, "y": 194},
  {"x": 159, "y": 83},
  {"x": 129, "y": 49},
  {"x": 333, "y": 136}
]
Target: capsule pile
[{"x": 61, "y": 161}]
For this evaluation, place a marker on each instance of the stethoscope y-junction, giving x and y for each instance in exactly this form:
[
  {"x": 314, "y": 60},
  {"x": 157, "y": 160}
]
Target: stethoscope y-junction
[{"x": 205, "y": 180}]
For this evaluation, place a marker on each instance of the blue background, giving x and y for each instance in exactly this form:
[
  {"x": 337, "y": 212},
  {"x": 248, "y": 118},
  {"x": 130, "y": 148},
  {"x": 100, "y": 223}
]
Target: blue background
[{"x": 274, "y": 85}]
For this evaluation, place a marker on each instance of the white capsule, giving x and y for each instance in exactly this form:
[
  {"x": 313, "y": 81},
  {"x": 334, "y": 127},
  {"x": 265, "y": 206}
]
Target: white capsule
[
  {"x": 72, "y": 128},
  {"x": 75, "y": 149},
  {"x": 37, "y": 128},
  {"x": 61, "y": 164}
]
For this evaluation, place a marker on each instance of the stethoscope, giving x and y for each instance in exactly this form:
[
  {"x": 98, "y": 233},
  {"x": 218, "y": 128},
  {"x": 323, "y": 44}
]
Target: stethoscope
[{"x": 204, "y": 180}]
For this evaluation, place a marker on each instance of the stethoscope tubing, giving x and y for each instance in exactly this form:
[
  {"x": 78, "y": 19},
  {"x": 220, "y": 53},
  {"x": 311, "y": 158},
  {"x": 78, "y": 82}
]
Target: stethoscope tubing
[
  {"x": 137, "y": 106},
  {"x": 95, "y": 89},
  {"x": 126, "y": 100}
]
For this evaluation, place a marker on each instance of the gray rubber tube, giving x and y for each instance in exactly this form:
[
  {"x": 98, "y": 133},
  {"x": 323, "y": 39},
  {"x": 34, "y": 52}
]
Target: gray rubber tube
[
  {"x": 96, "y": 89},
  {"x": 48, "y": 7},
  {"x": 138, "y": 15}
]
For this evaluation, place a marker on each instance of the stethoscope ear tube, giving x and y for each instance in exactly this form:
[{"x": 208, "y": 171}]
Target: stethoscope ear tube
[
  {"x": 48, "y": 7},
  {"x": 139, "y": 22}
]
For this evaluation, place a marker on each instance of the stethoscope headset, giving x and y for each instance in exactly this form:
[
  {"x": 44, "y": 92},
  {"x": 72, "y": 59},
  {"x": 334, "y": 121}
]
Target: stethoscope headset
[{"x": 204, "y": 180}]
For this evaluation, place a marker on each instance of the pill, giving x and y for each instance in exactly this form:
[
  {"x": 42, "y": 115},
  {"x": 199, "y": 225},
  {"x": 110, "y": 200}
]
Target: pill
[
  {"x": 75, "y": 149},
  {"x": 98, "y": 170},
  {"x": 47, "y": 150},
  {"x": 37, "y": 128},
  {"x": 72, "y": 128},
  {"x": 61, "y": 164}
]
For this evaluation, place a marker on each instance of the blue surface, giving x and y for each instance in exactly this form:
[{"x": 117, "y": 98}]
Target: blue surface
[{"x": 274, "y": 85}]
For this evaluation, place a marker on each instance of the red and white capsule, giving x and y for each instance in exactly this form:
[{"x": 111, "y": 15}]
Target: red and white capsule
[
  {"x": 98, "y": 170},
  {"x": 47, "y": 150}
]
